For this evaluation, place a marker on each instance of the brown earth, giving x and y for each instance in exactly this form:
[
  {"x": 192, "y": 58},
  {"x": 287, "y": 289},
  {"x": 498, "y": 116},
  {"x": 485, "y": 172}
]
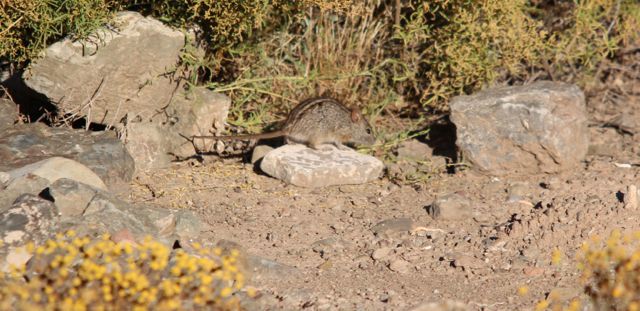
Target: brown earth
[{"x": 324, "y": 244}]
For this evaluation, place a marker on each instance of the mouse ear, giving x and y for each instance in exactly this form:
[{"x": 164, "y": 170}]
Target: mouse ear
[{"x": 355, "y": 115}]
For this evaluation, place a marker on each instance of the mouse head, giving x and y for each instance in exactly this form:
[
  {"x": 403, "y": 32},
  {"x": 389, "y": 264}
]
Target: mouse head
[{"x": 360, "y": 131}]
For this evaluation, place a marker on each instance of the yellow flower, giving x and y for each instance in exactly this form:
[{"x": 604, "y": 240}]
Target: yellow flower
[
  {"x": 618, "y": 291},
  {"x": 176, "y": 271},
  {"x": 556, "y": 256},
  {"x": 206, "y": 279},
  {"x": 29, "y": 247},
  {"x": 542, "y": 305},
  {"x": 251, "y": 292},
  {"x": 226, "y": 292},
  {"x": 574, "y": 305}
]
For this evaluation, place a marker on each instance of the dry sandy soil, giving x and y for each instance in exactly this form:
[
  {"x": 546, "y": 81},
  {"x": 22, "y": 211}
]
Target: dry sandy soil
[{"x": 318, "y": 245}]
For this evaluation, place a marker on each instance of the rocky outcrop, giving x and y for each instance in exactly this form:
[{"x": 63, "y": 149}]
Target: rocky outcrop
[
  {"x": 102, "y": 152},
  {"x": 124, "y": 77}
]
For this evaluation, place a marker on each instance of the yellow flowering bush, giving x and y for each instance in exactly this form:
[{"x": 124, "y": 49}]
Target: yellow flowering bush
[
  {"x": 610, "y": 274},
  {"x": 611, "y": 271},
  {"x": 79, "y": 273}
]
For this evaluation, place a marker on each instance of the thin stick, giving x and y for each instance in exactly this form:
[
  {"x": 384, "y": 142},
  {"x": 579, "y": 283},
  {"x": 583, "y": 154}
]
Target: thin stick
[{"x": 11, "y": 25}]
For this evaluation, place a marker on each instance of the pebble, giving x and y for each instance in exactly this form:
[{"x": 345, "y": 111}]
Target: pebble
[
  {"x": 381, "y": 253},
  {"x": 400, "y": 266},
  {"x": 450, "y": 207},
  {"x": 393, "y": 225}
]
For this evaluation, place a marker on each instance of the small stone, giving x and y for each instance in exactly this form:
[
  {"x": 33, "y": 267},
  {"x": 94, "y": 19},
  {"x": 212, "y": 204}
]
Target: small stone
[
  {"x": 448, "y": 305},
  {"x": 467, "y": 262},
  {"x": 262, "y": 268},
  {"x": 450, "y": 207},
  {"x": 259, "y": 152},
  {"x": 604, "y": 142},
  {"x": 533, "y": 271},
  {"x": 553, "y": 184},
  {"x": 400, "y": 266},
  {"x": 328, "y": 246},
  {"x": 518, "y": 189},
  {"x": 381, "y": 253},
  {"x": 415, "y": 150},
  {"x": 306, "y": 167},
  {"x": 393, "y": 225}
]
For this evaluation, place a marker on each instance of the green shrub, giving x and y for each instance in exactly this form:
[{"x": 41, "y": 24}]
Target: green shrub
[{"x": 28, "y": 26}]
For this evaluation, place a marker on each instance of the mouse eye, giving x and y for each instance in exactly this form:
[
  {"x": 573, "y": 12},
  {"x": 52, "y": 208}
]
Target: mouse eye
[{"x": 368, "y": 131}]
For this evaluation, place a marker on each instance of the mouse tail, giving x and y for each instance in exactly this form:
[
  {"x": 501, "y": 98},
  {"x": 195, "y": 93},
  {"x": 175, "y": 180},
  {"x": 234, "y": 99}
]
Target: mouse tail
[{"x": 268, "y": 135}]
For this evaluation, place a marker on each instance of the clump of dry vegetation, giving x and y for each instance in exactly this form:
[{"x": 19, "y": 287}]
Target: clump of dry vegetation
[
  {"x": 80, "y": 273},
  {"x": 399, "y": 59}
]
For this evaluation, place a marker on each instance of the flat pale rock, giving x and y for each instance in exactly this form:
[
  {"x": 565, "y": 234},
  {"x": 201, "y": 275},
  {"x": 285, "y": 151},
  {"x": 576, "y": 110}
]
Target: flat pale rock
[
  {"x": 529, "y": 129},
  {"x": 305, "y": 167}
]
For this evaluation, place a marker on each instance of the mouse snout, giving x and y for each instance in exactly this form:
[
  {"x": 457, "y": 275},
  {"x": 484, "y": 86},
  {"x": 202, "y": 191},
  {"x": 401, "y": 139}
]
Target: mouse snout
[{"x": 365, "y": 137}]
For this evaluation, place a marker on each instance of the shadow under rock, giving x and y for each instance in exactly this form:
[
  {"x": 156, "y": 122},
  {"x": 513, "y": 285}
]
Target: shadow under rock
[{"x": 442, "y": 139}]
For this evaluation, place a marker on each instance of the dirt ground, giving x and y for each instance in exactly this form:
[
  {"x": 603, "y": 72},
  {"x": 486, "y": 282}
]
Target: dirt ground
[{"x": 317, "y": 246}]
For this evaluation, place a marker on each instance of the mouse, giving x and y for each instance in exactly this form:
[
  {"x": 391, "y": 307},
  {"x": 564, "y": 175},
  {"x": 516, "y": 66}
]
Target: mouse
[{"x": 316, "y": 122}]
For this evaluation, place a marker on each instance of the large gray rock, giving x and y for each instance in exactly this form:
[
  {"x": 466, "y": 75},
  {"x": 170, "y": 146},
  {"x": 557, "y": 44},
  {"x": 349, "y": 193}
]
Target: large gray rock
[
  {"x": 116, "y": 72},
  {"x": 102, "y": 152},
  {"x": 536, "y": 128},
  {"x": 121, "y": 78},
  {"x": 305, "y": 167}
]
